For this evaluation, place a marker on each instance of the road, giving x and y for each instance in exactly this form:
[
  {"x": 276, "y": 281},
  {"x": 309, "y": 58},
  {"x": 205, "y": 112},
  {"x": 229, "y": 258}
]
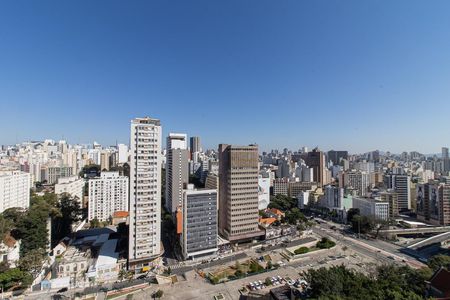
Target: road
[{"x": 375, "y": 249}]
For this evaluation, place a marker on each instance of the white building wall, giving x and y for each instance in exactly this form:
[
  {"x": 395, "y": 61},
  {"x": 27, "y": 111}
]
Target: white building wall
[
  {"x": 107, "y": 194},
  {"x": 14, "y": 189},
  {"x": 145, "y": 191},
  {"x": 263, "y": 192},
  {"x": 71, "y": 185}
]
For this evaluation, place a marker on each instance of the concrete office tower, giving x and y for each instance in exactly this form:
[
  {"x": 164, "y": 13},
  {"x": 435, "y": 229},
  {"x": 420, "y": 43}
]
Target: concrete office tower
[
  {"x": 391, "y": 197},
  {"x": 336, "y": 156},
  {"x": 177, "y": 173},
  {"x": 194, "y": 145},
  {"x": 316, "y": 160},
  {"x": 444, "y": 205},
  {"x": 107, "y": 194},
  {"x": 445, "y": 153},
  {"x": 145, "y": 193},
  {"x": 357, "y": 180},
  {"x": 54, "y": 173},
  {"x": 123, "y": 153},
  {"x": 14, "y": 189},
  {"x": 199, "y": 214},
  {"x": 402, "y": 185},
  {"x": 445, "y": 161},
  {"x": 104, "y": 160},
  {"x": 238, "y": 194},
  {"x": 333, "y": 197}
]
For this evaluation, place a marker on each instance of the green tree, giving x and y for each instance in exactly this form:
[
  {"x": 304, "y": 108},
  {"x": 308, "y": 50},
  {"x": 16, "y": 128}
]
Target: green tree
[
  {"x": 301, "y": 250},
  {"x": 33, "y": 261},
  {"x": 158, "y": 294},
  {"x": 362, "y": 224},
  {"x": 440, "y": 260},
  {"x": 325, "y": 243},
  {"x": 94, "y": 223},
  {"x": 70, "y": 213},
  {"x": 32, "y": 230},
  {"x": 14, "y": 278},
  {"x": 294, "y": 215},
  {"x": 351, "y": 213}
]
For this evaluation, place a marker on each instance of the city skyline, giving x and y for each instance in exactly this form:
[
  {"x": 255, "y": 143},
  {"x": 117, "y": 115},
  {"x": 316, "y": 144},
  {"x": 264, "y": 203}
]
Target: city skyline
[{"x": 339, "y": 75}]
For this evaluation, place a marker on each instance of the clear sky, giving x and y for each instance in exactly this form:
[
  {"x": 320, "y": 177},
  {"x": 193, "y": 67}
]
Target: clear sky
[{"x": 355, "y": 75}]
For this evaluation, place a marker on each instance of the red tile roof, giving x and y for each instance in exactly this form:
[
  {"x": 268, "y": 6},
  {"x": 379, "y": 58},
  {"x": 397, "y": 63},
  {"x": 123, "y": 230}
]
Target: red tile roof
[{"x": 120, "y": 214}]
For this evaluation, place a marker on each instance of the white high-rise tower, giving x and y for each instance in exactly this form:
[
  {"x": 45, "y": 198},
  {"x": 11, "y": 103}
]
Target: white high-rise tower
[{"x": 145, "y": 193}]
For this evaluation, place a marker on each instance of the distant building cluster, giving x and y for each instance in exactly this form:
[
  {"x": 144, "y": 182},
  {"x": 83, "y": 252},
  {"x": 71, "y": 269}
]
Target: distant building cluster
[{"x": 215, "y": 198}]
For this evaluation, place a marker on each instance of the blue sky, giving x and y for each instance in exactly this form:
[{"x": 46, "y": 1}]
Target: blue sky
[{"x": 356, "y": 75}]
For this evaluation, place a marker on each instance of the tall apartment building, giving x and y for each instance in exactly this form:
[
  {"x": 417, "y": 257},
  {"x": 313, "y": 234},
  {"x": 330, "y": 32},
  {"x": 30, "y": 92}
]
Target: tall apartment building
[
  {"x": 333, "y": 197},
  {"x": 336, "y": 156},
  {"x": 145, "y": 193},
  {"x": 372, "y": 207},
  {"x": 123, "y": 153},
  {"x": 107, "y": 194},
  {"x": 401, "y": 184},
  {"x": 194, "y": 144},
  {"x": 54, "y": 173},
  {"x": 72, "y": 185},
  {"x": 14, "y": 189},
  {"x": 423, "y": 201},
  {"x": 177, "y": 173},
  {"x": 104, "y": 160},
  {"x": 238, "y": 194},
  {"x": 433, "y": 203},
  {"x": 357, "y": 180},
  {"x": 316, "y": 160},
  {"x": 391, "y": 196},
  {"x": 199, "y": 214}
]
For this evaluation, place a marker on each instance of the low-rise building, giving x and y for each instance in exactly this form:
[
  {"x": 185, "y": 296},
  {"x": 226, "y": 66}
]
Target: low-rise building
[
  {"x": 372, "y": 207},
  {"x": 105, "y": 267},
  {"x": 73, "y": 264},
  {"x": 72, "y": 185},
  {"x": 10, "y": 251}
]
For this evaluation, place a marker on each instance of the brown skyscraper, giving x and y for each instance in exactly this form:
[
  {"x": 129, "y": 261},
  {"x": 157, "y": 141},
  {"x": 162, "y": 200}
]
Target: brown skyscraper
[
  {"x": 316, "y": 160},
  {"x": 238, "y": 192}
]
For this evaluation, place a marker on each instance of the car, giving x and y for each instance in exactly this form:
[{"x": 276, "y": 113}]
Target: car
[
  {"x": 63, "y": 290},
  {"x": 290, "y": 282}
]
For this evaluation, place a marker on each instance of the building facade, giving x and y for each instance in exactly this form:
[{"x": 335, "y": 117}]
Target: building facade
[
  {"x": 107, "y": 194},
  {"x": 145, "y": 193},
  {"x": 238, "y": 194},
  {"x": 14, "y": 189},
  {"x": 372, "y": 207},
  {"x": 402, "y": 185},
  {"x": 200, "y": 221},
  {"x": 71, "y": 185},
  {"x": 177, "y": 173}
]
